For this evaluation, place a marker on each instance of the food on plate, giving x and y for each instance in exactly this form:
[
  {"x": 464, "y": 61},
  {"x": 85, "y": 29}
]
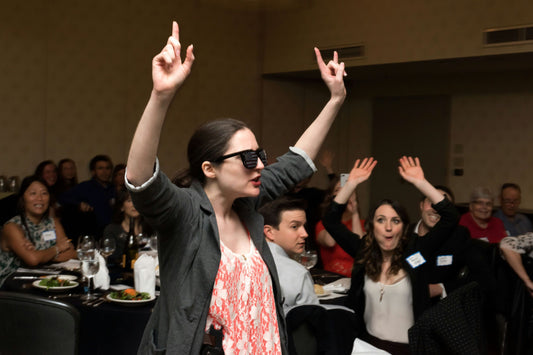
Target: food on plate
[
  {"x": 319, "y": 290},
  {"x": 130, "y": 294},
  {"x": 55, "y": 282}
]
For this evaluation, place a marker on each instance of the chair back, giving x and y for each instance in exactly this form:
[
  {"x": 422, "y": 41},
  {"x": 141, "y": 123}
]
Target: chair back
[{"x": 32, "y": 324}]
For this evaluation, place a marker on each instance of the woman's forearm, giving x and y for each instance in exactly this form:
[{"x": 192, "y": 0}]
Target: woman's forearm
[
  {"x": 313, "y": 137},
  {"x": 145, "y": 143}
]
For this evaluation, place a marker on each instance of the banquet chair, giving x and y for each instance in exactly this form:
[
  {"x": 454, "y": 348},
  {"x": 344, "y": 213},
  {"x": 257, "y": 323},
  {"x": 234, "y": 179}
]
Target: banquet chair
[
  {"x": 31, "y": 324},
  {"x": 320, "y": 329}
]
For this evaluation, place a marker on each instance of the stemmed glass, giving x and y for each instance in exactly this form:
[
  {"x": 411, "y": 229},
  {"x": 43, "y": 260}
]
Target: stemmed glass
[
  {"x": 89, "y": 267},
  {"x": 153, "y": 242},
  {"x": 107, "y": 246},
  {"x": 85, "y": 242},
  {"x": 309, "y": 258}
]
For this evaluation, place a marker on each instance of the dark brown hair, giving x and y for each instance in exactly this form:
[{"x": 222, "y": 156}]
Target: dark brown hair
[
  {"x": 372, "y": 257},
  {"x": 209, "y": 142}
]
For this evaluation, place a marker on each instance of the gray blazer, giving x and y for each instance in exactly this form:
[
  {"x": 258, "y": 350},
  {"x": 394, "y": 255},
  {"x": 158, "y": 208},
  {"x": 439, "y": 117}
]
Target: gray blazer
[{"x": 189, "y": 252}]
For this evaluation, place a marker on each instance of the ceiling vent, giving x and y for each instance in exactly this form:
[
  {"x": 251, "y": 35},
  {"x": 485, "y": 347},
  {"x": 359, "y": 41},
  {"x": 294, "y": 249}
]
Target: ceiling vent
[
  {"x": 508, "y": 35},
  {"x": 345, "y": 53}
]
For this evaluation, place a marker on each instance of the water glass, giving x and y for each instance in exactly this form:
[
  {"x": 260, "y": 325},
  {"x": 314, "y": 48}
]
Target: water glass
[
  {"x": 89, "y": 267},
  {"x": 107, "y": 246},
  {"x": 309, "y": 258}
]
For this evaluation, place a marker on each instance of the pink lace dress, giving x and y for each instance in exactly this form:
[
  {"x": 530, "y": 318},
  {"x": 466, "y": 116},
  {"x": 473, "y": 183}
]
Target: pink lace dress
[{"x": 243, "y": 304}]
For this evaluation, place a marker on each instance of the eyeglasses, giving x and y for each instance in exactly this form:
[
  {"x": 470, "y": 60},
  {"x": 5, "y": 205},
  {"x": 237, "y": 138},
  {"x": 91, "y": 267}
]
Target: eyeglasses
[
  {"x": 482, "y": 203},
  {"x": 248, "y": 157},
  {"x": 511, "y": 202}
]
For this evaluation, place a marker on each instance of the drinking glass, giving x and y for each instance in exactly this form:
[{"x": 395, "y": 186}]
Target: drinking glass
[
  {"x": 107, "y": 246},
  {"x": 89, "y": 267},
  {"x": 153, "y": 242},
  {"x": 309, "y": 258},
  {"x": 85, "y": 242}
]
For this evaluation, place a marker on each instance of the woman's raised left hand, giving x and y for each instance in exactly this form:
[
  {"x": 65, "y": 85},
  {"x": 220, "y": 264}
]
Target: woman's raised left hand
[
  {"x": 333, "y": 74},
  {"x": 410, "y": 169}
]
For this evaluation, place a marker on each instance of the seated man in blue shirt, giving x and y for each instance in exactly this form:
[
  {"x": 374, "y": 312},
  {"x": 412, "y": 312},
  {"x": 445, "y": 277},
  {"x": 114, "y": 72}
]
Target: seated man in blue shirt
[
  {"x": 515, "y": 223},
  {"x": 285, "y": 233},
  {"x": 94, "y": 198}
]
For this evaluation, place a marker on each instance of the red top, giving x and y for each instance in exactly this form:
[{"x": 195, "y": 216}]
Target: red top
[
  {"x": 494, "y": 232},
  {"x": 335, "y": 259}
]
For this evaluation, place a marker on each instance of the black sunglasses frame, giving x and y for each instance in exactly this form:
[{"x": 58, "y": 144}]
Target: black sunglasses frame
[{"x": 249, "y": 157}]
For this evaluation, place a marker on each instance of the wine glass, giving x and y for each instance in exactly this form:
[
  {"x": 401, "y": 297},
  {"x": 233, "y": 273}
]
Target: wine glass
[
  {"x": 153, "y": 242},
  {"x": 85, "y": 242},
  {"x": 309, "y": 258},
  {"x": 89, "y": 267},
  {"x": 107, "y": 246}
]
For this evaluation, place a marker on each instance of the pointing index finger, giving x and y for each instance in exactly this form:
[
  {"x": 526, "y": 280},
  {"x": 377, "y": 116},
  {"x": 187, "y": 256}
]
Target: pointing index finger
[{"x": 175, "y": 30}]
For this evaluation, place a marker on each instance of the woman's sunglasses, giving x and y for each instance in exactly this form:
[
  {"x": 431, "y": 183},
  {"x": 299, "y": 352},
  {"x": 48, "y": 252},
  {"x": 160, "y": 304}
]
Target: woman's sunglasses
[{"x": 248, "y": 157}]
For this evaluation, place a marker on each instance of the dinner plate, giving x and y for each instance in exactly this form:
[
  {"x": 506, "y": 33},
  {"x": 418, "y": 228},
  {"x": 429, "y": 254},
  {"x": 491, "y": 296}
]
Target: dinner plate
[
  {"x": 326, "y": 293},
  {"x": 59, "y": 288},
  {"x": 129, "y": 302}
]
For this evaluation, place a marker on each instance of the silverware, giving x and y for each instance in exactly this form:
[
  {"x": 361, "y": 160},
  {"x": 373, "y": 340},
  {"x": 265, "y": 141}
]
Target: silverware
[
  {"x": 65, "y": 295},
  {"x": 99, "y": 302}
]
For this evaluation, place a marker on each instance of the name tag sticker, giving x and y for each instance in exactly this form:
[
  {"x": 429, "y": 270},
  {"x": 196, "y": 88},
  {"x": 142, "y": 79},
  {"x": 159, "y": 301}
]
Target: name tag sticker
[
  {"x": 444, "y": 260},
  {"x": 416, "y": 260},
  {"x": 49, "y": 235}
]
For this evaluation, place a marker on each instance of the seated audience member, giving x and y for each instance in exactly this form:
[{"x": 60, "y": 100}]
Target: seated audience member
[
  {"x": 513, "y": 248},
  {"x": 314, "y": 197},
  {"x": 285, "y": 233},
  {"x": 33, "y": 237},
  {"x": 118, "y": 176},
  {"x": 124, "y": 213},
  {"x": 515, "y": 223},
  {"x": 459, "y": 260},
  {"x": 445, "y": 266},
  {"x": 67, "y": 176},
  {"x": 334, "y": 258},
  {"x": 479, "y": 220},
  {"x": 47, "y": 171},
  {"x": 94, "y": 197},
  {"x": 520, "y": 319},
  {"x": 389, "y": 289}
]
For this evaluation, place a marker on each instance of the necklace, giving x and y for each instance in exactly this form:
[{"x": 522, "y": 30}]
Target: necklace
[{"x": 381, "y": 291}]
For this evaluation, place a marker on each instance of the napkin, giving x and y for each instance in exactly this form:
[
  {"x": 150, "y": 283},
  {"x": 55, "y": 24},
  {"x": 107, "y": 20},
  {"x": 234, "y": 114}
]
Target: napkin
[
  {"x": 339, "y": 286},
  {"x": 72, "y": 264},
  {"x": 144, "y": 274},
  {"x": 362, "y": 347},
  {"x": 102, "y": 279}
]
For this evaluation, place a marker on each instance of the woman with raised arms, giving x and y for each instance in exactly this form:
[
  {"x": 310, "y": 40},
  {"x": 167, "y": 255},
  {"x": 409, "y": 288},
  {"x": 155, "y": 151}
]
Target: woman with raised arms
[{"x": 219, "y": 287}]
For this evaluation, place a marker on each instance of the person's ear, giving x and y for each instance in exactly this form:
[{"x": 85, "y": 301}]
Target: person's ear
[
  {"x": 269, "y": 235},
  {"x": 208, "y": 169},
  {"x": 422, "y": 205}
]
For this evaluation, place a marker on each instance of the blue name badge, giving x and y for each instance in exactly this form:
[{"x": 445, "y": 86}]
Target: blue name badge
[{"x": 416, "y": 260}]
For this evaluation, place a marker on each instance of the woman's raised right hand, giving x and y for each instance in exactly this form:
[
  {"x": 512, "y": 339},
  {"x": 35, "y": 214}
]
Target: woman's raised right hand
[{"x": 168, "y": 71}]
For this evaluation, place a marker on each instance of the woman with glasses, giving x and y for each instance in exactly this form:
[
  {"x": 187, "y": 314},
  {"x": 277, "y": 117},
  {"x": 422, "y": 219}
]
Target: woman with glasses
[
  {"x": 479, "y": 220},
  {"x": 219, "y": 287}
]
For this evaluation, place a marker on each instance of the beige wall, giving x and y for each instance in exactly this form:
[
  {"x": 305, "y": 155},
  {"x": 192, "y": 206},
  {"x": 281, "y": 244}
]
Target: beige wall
[
  {"x": 75, "y": 76},
  {"x": 392, "y": 31}
]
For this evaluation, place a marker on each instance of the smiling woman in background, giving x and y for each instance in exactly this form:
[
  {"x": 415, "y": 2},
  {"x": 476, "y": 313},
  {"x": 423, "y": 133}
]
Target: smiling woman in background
[
  {"x": 479, "y": 220},
  {"x": 33, "y": 237}
]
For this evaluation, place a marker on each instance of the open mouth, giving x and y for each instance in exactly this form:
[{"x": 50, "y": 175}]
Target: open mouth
[{"x": 256, "y": 181}]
